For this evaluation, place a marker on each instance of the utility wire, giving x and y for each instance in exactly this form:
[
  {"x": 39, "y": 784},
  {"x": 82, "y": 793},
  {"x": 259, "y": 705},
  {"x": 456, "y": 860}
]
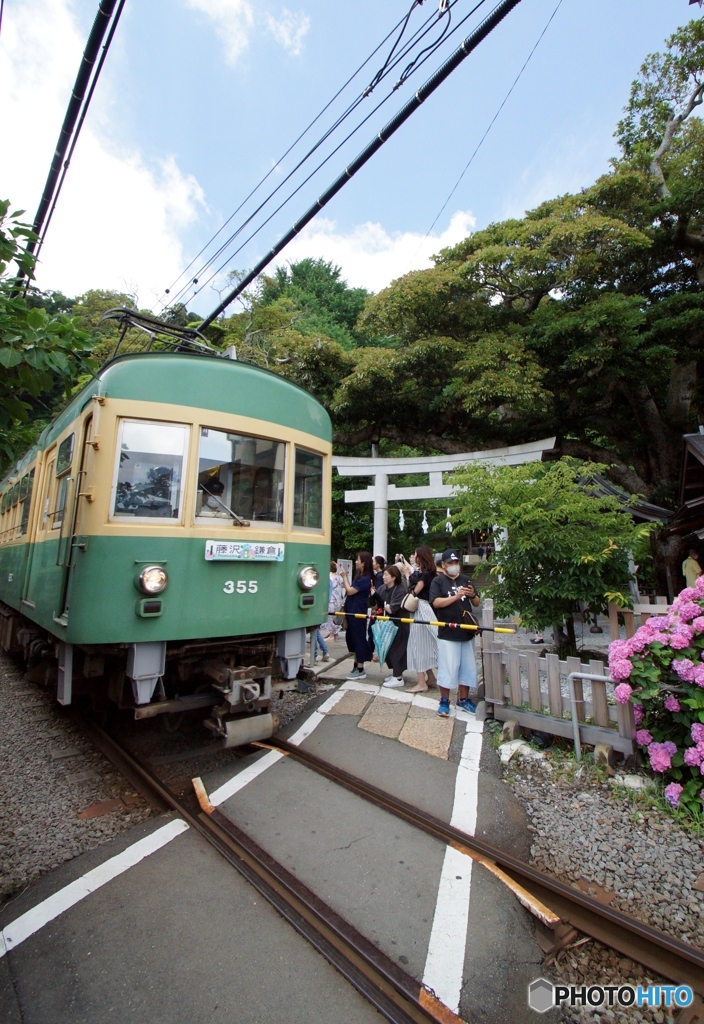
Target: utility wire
[
  {"x": 79, "y": 125},
  {"x": 444, "y": 71},
  {"x": 223, "y": 247},
  {"x": 83, "y": 78},
  {"x": 491, "y": 125},
  {"x": 300, "y": 186},
  {"x": 402, "y": 23}
]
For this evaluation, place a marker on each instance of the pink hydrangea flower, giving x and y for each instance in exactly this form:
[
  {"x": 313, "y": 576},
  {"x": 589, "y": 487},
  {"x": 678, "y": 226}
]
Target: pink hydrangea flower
[
  {"x": 699, "y": 586},
  {"x": 698, "y": 675},
  {"x": 698, "y": 732},
  {"x": 684, "y": 669},
  {"x": 643, "y": 738},
  {"x": 657, "y": 622},
  {"x": 692, "y": 757},
  {"x": 660, "y": 757},
  {"x": 681, "y": 638},
  {"x": 620, "y": 669},
  {"x": 688, "y": 594},
  {"x": 617, "y": 648},
  {"x": 672, "y": 704},
  {"x": 698, "y": 624},
  {"x": 638, "y": 643},
  {"x": 660, "y": 638},
  {"x": 638, "y": 713},
  {"x": 623, "y": 692},
  {"x": 673, "y": 792},
  {"x": 688, "y": 610}
]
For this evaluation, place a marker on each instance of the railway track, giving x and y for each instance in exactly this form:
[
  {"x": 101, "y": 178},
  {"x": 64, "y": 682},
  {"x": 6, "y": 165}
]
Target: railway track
[
  {"x": 391, "y": 990},
  {"x": 398, "y": 996}
]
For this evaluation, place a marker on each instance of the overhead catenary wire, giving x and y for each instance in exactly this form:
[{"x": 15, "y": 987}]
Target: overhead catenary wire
[
  {"x": 68, "y": 128},
  {"x": 81, "y": 120},
  {"x": 490, "y": 125},
  {"x": 288, "y": 151},
  {"x": 202, "y": 284},
  {"x": 444, "y": 71},
  {"x": 387, "y": 68}
]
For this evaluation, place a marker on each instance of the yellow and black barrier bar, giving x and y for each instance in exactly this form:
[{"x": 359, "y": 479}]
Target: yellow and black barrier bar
[{"x": 426, "y": 622}]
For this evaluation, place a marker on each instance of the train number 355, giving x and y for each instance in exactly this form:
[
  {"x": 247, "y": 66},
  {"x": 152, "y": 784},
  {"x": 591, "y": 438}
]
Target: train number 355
[{"x": 240, "y": 587}]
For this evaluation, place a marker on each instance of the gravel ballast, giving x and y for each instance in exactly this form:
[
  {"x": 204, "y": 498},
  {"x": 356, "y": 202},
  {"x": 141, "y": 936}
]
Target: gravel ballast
[
  {"x": 50, "y": 772},
  {"x": 587, "y": 826}
]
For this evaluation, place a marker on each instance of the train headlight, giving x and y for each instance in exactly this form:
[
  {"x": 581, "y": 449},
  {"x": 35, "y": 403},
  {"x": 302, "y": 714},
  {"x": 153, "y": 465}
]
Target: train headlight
[
  {"x": 308, "y": 578},
  {"x": 152, "y": 579}
]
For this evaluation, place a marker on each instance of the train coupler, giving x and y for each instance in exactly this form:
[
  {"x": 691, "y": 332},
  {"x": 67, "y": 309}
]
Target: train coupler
[{"x": 236, "y": 731}]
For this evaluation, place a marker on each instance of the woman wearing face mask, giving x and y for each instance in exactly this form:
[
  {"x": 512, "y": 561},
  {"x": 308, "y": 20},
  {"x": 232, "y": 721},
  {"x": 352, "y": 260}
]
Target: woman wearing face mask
[{"x": 359, "y": 642}]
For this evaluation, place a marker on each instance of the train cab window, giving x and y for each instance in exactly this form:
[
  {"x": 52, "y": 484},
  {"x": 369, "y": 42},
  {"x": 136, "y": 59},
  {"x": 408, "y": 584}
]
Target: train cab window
[
  {"x": 149, "y": 472},
  {"x": 26, "y": 496},
  {"x": 241, "y": 475},
  {"x": 308, "y": 490}
]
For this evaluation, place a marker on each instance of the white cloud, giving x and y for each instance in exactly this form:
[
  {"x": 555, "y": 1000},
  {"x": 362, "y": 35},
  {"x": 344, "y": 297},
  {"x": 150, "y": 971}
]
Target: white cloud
[
  {"x": 370, "y": 257},
  {"x": 118, "y": 220},
  {"x": 289, "y": 30},
  {"x": 234, "y": 20}
]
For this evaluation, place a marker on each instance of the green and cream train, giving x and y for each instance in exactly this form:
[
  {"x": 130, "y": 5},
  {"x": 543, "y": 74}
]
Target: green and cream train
[{"x": 168, "y": 538}]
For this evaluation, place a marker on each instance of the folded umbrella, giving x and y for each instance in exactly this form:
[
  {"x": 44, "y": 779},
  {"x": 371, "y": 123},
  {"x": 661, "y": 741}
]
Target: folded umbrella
[{"x": 383, "y": 634}]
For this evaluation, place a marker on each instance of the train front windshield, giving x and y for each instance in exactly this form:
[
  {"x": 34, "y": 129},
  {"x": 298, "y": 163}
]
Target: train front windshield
[{"x": 240, "y": 473}]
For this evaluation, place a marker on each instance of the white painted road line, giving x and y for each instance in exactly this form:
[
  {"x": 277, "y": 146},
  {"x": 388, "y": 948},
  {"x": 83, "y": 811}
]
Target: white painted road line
[
  {"x": 444, "y": 964},
  {"x": 247, "y": 775},
  {"x": 49, "y": 909}
]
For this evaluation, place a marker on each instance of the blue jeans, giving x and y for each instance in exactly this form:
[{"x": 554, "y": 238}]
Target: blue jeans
[{"x": 318, "y": 641}]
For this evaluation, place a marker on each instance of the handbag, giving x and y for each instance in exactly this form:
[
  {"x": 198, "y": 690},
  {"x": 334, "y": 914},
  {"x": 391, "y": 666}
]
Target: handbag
[
  {"x": 410, "y": 602},
  {"x": 469, "y": 618}
]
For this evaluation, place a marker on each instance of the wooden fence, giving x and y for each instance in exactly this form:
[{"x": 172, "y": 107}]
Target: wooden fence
[
  {"x": 525, "y": 687},
  {"x": 644, "y": 609}
]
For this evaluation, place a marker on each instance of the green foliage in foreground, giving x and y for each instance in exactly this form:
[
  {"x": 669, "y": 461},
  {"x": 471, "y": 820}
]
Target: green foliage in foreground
[
  {"x": 562, "y": 542},
  {"x": 37, "y": 349}
]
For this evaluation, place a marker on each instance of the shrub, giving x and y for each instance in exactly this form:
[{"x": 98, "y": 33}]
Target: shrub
[{"x": 660, "y": 670}]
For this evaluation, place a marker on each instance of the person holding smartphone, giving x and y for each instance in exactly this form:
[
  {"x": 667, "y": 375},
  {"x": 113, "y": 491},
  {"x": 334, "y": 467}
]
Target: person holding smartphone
[{"x": 452, "y": 596}]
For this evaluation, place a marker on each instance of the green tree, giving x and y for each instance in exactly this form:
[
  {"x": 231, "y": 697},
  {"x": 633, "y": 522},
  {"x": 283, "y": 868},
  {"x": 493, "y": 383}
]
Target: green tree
[
  {"x": 36, "y": 349},
  {"x": 559, "y": 541}
]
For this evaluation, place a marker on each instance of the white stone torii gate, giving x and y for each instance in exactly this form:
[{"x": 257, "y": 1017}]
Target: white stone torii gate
[{"x": 434, "y": 465}]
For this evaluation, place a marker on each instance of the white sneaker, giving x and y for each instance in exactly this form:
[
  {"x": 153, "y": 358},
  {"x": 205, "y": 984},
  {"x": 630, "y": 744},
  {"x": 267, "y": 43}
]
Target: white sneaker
[
  {"x": 393, "y": 682},
  {"x": 389, "y": 678}
]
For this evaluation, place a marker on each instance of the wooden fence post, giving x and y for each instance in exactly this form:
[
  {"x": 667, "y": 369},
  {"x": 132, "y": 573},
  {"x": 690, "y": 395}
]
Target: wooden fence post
[{"x": 613, "y": 620}]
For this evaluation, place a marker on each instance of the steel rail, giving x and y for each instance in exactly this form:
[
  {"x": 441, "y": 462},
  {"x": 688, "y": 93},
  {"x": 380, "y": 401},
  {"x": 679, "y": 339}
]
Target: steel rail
[
  {"x": 668, "y": 956},
  {"x": 399, "y": 997}
]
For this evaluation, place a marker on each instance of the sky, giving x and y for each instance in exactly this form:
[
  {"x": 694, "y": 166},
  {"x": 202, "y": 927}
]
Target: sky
[{"x": 199, "y": 99}]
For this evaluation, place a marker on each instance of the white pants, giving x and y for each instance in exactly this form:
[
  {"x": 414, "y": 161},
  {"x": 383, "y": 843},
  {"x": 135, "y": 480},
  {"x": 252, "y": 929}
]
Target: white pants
[{"x": 456, "y": 664}]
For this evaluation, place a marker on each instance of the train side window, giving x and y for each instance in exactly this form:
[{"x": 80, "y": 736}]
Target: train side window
[
  {"x": 150, "y": 470},
  {"x": 49, "y": 483},
  {"x": 57, "y": 516},
  {"x": 26, "y": 494},
  {"x": 308, "y": 490},
  {"x": 241, "y": 474},
  {"x": 65, "y": 456}
]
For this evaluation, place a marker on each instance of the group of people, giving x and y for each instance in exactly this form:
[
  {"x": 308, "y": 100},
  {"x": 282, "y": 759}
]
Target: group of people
[{"x": 442, "y": 655}]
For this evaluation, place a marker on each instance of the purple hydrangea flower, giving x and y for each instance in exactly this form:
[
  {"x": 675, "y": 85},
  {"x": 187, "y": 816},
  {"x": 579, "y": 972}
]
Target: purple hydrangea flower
[
  {"x": 638, "y": 713},
  {"x": 643, "y": 738},
  {"x": 698, "y": 675},
  {"x": 698, "y": 624},
  {"x": 698, "y": 732},
  {"x": 672, "y": 704},
  {"x": 623, "y": 692},
  {"x": 670, "y": 747},
  {"x": 688, "y": 610},
  {"x": 673, "y": 792},
  {"x": 660, "y": 757},
  {"x": 692, "y": 757},
  {"x": 684, "y": 669}
]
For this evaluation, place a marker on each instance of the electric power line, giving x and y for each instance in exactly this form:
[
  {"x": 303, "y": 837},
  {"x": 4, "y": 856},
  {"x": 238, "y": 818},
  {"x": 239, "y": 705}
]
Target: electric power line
[
  {"x": 415, "y": 66},
  {"x": 491, "y": 125},
  {"x": 444, "y": 71}
]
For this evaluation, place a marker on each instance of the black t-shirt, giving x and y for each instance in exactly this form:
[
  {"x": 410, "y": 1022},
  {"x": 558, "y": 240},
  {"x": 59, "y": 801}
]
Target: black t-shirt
[
  {"x": 443, "y": 586},
  {"x": 426, "y": 578}
]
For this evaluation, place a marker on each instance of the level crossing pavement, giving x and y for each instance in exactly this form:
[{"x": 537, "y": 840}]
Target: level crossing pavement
[{"x": 180, "y": 936}]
